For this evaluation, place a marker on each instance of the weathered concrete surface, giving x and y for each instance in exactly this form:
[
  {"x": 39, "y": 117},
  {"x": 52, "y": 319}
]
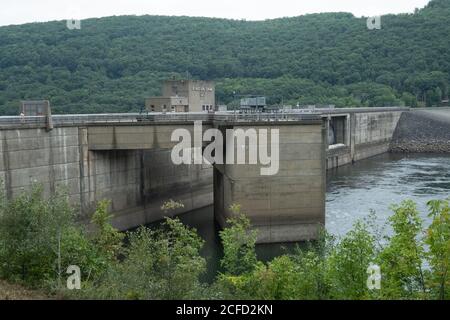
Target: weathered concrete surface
[
  {"x": 34, "y": 155},
  {"x": 136, "y": 136},
  {"x": 129, "y": 163},
  {"x": 370, "y": 134},
  {"x": 136, "y": 181},
  {"x": 288, "y": 206},
  {"x": 424, "y": 130}
]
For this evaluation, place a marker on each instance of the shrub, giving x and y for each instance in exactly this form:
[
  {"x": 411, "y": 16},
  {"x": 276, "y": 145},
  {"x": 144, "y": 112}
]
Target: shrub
[
  {"x": 158, "y": 264},
  {"x": 438, "y": 241},
  {"x": 40, "y": 238},
  {"x": 31, "y": 231},
  {"x": 401, "y": 259},
  {"x": 348, "y": 263},
  {"x": 238, "y": 242}
]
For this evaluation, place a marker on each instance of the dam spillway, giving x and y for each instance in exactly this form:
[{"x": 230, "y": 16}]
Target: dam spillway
[{"x": 116, "y": 157}]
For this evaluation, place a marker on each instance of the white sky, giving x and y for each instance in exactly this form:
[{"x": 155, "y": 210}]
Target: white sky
[{"x": 23, "y": 11}]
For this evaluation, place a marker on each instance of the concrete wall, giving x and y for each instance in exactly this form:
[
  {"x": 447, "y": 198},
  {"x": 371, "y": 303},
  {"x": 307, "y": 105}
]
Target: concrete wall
[
  {"x": 370, "y": 134},
  {"x": 136, "y": 137},
  {"x": 159, "y": 180},
  {"x": 33, "y": 155},
  {"x": 288, "y": 206},
  {"x": 136, "y": 181},
  {"x": 130, "y": 165}
]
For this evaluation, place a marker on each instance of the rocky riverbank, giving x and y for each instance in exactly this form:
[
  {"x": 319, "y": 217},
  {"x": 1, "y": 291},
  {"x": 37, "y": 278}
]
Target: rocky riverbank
[{"x": 422, "y": 132}]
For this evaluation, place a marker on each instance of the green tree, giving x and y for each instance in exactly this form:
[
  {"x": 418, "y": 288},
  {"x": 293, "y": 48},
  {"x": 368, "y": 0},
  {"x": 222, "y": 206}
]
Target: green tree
[
  {"x": 348, "y": 264},
  {"x": 238, "y": 242},
  {"x": 40, "y": 238},
  {"x": 157, "y": 264},
  {"x": 402, "y": 258},
  {"x": 107, "y": 239},
  {"x": 438, "y": 240}
]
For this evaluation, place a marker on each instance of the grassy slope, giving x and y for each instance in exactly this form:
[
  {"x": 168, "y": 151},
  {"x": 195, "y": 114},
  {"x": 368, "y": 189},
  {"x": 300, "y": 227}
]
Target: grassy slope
[{"x": 16, "y": 292}]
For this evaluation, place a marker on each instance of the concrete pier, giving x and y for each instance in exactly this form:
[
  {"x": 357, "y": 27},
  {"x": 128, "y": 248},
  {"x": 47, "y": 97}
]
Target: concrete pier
[{"x": 287, "y": 206}]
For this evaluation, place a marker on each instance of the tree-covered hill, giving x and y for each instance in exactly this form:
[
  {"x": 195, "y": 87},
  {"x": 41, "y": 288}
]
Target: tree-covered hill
[{"x": 113, "y": 63}]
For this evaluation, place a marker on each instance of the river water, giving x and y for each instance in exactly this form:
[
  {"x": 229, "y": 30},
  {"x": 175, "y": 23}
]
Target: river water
[
  {"x": 353, "y": 191},
  {"x": 377, "y": 183}
]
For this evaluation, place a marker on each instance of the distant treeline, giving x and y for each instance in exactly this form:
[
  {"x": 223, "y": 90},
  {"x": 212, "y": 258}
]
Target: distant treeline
[{"x": 112, "y": 64}]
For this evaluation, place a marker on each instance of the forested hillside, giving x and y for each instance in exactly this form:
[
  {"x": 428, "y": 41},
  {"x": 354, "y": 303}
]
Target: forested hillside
[{"x": 112, "y": 64}]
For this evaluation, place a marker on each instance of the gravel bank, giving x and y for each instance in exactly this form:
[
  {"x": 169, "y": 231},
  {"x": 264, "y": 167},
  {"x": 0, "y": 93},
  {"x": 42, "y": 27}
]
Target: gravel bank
[{"x": 422, "y": 132}]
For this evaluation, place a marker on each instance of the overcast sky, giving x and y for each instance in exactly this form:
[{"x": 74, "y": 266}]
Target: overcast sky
[{"x": 23, "y": 11}]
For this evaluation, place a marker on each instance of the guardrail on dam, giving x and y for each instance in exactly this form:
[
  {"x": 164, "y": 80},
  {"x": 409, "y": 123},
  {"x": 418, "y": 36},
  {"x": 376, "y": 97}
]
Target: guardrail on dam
[{"x": 126, "y": 158}]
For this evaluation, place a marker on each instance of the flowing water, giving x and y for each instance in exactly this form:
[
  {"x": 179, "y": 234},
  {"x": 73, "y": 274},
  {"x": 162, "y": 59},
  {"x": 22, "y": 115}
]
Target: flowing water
[
  {"x": 353, "y": 191},
  {"x": 377, "y": 183}
]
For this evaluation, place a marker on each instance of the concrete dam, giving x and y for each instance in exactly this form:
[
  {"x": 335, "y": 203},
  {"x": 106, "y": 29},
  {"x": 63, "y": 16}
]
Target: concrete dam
[{"x": 128, "y": 161}]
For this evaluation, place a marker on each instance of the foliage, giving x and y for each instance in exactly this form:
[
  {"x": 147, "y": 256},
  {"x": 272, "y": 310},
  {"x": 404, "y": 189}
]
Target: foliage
[
  {"x": 158, "y": 264},
  {"x": 112, "y": 64},
  {"x": 107, "y": 238},
  {"x": 348, "y": 264},
  {"x": 39, "y": 238},
  {"x": 171, "y": 205},
  {"x": 238, "y": 242},
  {"x": 401, "y": 260},
  {"x": 330, "y": 269},
  {"x": 29, "y": 229},
  {"x": 438, "y": 240}
]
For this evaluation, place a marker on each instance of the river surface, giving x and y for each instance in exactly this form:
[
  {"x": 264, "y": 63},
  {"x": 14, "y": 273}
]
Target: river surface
[
  {"x": 353, "y": 191},
  {"x": 377, "y": 183}
]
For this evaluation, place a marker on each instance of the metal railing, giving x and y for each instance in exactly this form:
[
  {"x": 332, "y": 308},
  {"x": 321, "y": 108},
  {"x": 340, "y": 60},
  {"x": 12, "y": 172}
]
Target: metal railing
[
  {"x": 227, "y": 116},
  {"x": 264, "y": 117},
  {"x": 89, "y": 119},
  {"x": 17, "y": 120},
  {"x": 176, "y": 116}
]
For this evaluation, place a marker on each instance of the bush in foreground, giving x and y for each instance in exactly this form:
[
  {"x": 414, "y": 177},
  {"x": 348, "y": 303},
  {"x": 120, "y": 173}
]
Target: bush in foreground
[{"x": 40, "y": 238}]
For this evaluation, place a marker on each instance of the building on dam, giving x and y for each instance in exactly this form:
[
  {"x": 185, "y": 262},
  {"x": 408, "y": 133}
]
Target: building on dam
[{"x": 184, "y": 96}]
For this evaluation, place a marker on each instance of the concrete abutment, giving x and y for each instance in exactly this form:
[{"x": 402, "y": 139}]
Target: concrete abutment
[{"x": 289, "y": 205}]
